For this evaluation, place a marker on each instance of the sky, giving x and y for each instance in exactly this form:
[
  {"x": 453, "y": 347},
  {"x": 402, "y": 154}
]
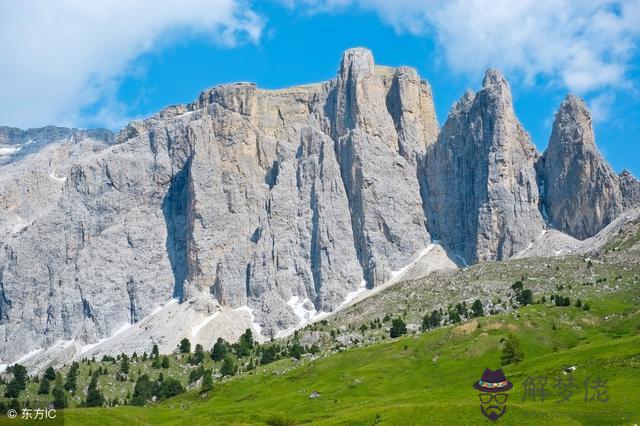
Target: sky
[{"x": 104, "y": 63}]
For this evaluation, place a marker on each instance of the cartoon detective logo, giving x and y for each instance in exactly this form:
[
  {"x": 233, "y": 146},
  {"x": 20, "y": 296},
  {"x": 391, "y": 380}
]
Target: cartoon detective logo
[{"x": 493, "y": 397}]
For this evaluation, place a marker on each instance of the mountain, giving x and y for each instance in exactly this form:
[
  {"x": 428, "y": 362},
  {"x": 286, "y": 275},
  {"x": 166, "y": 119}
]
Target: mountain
[
  {"x": 271, "y": 208},
  {"x": 482, "y": 192},
  {"x": 582, "y": 193}
]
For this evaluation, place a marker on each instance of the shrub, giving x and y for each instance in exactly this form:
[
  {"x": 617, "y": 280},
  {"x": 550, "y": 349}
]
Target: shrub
[
  {"x": 398, "y": 328},
  {"x": 512, "y": 353}
]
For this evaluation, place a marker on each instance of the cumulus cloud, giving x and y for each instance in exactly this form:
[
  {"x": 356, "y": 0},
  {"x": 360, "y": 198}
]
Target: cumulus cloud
[
  {"x": 59, "y": 58},
  {"x": 584, "y": 45}
]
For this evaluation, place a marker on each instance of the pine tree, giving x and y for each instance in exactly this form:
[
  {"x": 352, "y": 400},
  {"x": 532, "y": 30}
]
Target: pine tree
[
  {"x": 18, "y": 383},
  {"x": 44, "y": 386},
  {"x": 124, "y": 365},
  {"x": 478, "y": 310},
  {"x": 154, "y": 351},
  {"x": 94, "y": 396},
  {"x": 157, "y": 362},
  {"x": 398, "y": 328},
  {"x": 512, "y": 353},
  {"x": 142, "y": 391},
  {"x": 165, "y": 362},
  {"x": 219, "y": 350},
  {"x": 207, "y": 380},
  {"x": 229, "y": 366},
  {"x": 50, "y": 374},
  {"x": 198, "y": 355},
  {"x": 59, "y": 395},
  {"x": 72, "y": 378},
  {"x": 185, "y": 346}
]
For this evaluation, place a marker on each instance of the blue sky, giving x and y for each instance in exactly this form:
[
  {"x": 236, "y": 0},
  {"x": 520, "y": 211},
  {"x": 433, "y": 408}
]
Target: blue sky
[{"x": 102, "y": 66}]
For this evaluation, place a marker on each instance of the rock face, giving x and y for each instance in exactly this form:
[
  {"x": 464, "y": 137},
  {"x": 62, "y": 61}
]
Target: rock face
[
  {"x": 630, "y": 189},
  {"x": 262, "y": 208},
  {"x": 581, "y": 192},
  {"x": 482, "y": 193},
  {"x": 246, "y": 196}
]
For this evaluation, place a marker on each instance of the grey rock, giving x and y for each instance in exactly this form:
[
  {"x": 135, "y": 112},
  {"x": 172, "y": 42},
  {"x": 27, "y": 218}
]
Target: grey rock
[
  {"x": 246, "y": 196},
  {"x": 481, "y": 185},
  {"x": 581, "y": 192},
  {"x": 265, "y": 208},
  {"x": 630, "y": 189}
]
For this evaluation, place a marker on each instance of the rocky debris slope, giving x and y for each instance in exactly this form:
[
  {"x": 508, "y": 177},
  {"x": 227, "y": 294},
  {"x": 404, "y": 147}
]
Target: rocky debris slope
[
  {"x": 482, "y": 190},
  {"x": 284, "y": 204},
  {"x": 581, "y": 192}
]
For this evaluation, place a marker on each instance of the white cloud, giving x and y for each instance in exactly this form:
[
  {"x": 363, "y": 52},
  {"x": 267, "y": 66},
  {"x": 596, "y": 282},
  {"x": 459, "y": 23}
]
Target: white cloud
[
  {"x": 59, "y": 57},
  {"x": 584, "y": 45}
]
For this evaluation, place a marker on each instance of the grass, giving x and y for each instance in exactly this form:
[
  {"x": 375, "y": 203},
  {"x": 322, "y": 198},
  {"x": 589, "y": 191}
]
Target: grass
[{"x": 426, "y": 379}]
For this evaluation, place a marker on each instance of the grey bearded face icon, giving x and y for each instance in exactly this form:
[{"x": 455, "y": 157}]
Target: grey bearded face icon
[{"x": 493, "y": 397}]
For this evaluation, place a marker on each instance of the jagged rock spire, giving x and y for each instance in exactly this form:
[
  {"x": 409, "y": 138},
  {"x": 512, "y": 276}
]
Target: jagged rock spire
[
  {"x": 482, "y": 192},
  {"x": 581, "y": 192}
]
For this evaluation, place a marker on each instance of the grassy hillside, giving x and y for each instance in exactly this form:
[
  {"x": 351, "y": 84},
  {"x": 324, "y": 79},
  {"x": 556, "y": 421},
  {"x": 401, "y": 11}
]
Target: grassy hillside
[
  {"x": 365, "y": 377},
  {"x": 427, "y": 377}
]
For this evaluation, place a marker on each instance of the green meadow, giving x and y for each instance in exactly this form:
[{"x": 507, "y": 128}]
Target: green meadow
[{"x": 426, "y": 378}]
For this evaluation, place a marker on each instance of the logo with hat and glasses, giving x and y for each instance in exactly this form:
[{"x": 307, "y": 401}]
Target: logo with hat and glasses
[{"x": 493, "y": 397}]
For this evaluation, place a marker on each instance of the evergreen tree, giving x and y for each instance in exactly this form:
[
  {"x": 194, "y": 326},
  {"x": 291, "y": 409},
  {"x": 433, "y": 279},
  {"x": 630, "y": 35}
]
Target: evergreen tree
[
  {"x": 170, "y": 388},
  {"x": 269, "y": 354},
  {"x": 477, "y": 309},
  {"x": 18, "y": 383},
  {"x": 219, "y": 350},
  {"x": 194, "y": 375},
  {"x": 398, "y": 328},
  {"x": 296, "y": 350},
  {"x": 207, "y": 380},
  {"x": 229, "y": 366},
  {"x": 154, "y": 351},
  {"x": 198, "y": 355},
  {"x": 245, "y": 344},
  {"x": 142, "y": 392},
  {"x": 124, "y": 365},
  {"x": 44, "y": 386},
  {"x": 165, "y": 362},
  {"x": 157, "y": 362},
  {"x": 185, "y": 346},
  {"x": 59, "y": 395},
  {"x": 512, "y": 353},
  {"x": 72, "y": 378},
  {"x": 94, "y": 396},
  {"x": 525, "y": 297},
  {"x": 454, "y": 317},
  {"x": 578, "y": 303},
  {"x": 50, "y": 374}
]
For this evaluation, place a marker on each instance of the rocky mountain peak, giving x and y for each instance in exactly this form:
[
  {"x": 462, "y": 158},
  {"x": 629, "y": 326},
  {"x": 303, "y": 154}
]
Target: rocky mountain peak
[
  {"x": 482, "y": 190},
  {"x": 581, "y": 191},
  {"x": 356, "y": 63},
  {"x": 493, "y": 77},
  {"x": 630, "y": 188}
]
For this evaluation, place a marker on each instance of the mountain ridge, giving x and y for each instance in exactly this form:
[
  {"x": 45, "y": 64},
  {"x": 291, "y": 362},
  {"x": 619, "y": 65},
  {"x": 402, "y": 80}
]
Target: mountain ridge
[{"x": 256, "y": 198}]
